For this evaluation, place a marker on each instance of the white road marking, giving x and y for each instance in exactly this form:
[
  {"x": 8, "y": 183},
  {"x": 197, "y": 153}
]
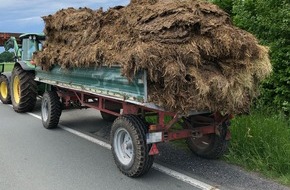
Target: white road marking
[
  {"x": 163, "y": 169},
  {"x": 34, "y": 115},
  {"x": 183, "y": 177},
  {"x": 87, "y": 137}
]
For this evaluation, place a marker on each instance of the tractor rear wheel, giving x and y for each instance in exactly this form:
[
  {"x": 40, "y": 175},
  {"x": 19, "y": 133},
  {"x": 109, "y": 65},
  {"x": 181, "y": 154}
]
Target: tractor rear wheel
[
  {"x": 23, "y": 90},
  {"x": 129, "y": 147},
  {"x": 4, "y": 90}
]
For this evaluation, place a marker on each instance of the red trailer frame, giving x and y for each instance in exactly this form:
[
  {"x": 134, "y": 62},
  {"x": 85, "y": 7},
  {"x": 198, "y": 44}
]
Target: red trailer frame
[
  {"x": 108, "y": 105},
  {"x": 133, "y": 139}
]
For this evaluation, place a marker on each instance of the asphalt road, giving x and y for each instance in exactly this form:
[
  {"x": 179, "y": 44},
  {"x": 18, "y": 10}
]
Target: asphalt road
[{"x": 34, "y": 158}]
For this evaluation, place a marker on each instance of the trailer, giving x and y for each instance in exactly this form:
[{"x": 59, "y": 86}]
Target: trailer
[
  {"x": 138, "y": 125},
  {"x": 134, "y": 138}
]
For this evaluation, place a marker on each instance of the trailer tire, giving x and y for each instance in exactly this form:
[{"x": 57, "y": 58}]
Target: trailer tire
[
  {"x": 5, "y": 96},
  {"x": 210, "y": 146},
  {"x": 50, "y": 110},
  {"x": 129, "y": 147},
  {"x": 109, "y": 117},
  {"x": 23, "y": 90}
]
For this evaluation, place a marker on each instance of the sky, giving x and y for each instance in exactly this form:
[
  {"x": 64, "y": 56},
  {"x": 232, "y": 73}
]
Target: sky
[{"x": 23, "y": 16}]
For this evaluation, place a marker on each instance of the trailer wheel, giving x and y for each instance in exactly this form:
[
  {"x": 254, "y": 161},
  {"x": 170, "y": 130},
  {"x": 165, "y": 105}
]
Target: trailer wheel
[
  {"x": 4, "y": 90},
  {"x": 23, "y": 90},
  {"x": 50, "y": 110},
  {"x": 109, "y": 117},
  {"x": 129, "y": 147},
  {"x": 210, "y": 146}
]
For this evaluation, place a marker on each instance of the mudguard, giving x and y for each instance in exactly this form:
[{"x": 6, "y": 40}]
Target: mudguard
[
  {"x": 26, "y": 65},
  {"x": 8, "y": 75}
]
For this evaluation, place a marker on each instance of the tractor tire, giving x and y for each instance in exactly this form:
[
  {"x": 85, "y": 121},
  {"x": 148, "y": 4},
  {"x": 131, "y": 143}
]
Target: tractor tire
[
  {"x": 50, "y": 110},
  {"x": 129, "y": 147},
  {"x": 23, "y": 90},
  {"x": 210, "y": 146},
  {"x": 4, "y": 90},
  {"x": 109, "y": 117}
]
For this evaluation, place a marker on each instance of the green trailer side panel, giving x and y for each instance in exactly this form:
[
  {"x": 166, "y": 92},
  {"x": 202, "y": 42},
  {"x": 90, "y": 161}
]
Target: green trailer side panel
[{"x": 100, "y": 80}]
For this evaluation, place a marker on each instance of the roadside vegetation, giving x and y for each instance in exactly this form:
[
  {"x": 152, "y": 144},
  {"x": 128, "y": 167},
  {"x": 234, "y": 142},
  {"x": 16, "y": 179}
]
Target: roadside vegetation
[
  {"x": 261, "y": 143},
  {"x": 6, "y": 56}
]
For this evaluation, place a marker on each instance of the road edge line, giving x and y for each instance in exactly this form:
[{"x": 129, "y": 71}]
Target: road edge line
[{"x": 184, "y": 178}]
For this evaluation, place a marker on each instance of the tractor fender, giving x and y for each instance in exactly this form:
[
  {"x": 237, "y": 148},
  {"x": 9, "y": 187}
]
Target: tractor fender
[
  {"x": 26, "y": 66},
  {"x": 8, "y": 75}
]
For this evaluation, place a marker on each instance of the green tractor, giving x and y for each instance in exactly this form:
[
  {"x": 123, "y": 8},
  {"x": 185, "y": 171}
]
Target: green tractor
[{"x": 18, "y": 87}]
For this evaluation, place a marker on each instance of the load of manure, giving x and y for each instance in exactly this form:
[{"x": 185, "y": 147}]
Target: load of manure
[{"x": 194, "y": 56}]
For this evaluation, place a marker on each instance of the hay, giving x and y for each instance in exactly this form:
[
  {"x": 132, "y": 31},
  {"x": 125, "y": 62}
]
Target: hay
[{"x": 195, "y": 58}]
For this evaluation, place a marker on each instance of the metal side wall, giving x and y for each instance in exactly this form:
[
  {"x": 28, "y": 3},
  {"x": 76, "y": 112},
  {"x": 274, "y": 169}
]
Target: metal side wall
[{"x": 99, "y": 80}]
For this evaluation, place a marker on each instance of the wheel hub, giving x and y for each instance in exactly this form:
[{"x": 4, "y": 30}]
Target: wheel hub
[
  {"x": 202, "y": 142},
  {"x": 16, "y": 89},
  {"x": 124, "y": 146},
  {"x": 3, "y": 89},
  {"x": 44, "y": 110}
]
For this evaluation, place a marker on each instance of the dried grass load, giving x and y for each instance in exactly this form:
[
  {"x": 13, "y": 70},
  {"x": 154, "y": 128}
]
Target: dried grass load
[{"x": 195, "y": 58}]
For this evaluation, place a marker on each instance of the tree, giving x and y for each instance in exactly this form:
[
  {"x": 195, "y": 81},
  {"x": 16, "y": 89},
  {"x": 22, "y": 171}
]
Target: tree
[
  {"x": 226, "y": 5},
  {"x": 6, "y": 56}
]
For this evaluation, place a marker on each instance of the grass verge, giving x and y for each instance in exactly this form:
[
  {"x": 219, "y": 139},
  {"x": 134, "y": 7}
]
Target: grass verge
[{"x": 261, "y": 142}]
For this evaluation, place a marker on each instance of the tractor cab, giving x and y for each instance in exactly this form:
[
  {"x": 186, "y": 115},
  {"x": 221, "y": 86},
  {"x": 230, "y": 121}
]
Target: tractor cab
[
  {"x": 31, "y": 42},
  {"x": 25, "y": 45}
]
